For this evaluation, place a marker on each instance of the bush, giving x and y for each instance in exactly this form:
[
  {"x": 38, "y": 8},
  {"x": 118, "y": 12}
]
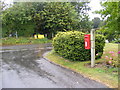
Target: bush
[
  {"x": 116, "y": 41},
  {"x": 70, "y": 45},
  {"x": 111, "y": 58}
]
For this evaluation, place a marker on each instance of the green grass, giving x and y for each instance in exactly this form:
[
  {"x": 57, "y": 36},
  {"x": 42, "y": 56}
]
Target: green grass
[
  {"x": 23, "y": 40},
  {"x": 101, "y": 74}
]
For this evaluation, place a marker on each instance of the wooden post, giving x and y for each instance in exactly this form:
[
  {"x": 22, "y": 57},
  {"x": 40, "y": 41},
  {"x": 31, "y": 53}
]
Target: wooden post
[{"x": 92, "y": 47}]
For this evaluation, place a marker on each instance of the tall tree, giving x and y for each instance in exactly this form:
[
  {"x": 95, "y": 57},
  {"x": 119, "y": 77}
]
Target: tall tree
[
  {"x": 96, "y": 22},
  {"x": 48, "y": 17},
  {"x": 82, "y": 8},
  {"x": 57, "y": 16},
  {"x": 16, "y": 16},
  {"x": 2, "y": 5},
  {"x": 111, "y": 14}
]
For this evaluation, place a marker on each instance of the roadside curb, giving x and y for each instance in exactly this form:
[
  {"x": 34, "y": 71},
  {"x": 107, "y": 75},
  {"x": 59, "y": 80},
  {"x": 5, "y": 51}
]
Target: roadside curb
[{"x": 62, "y": 66}]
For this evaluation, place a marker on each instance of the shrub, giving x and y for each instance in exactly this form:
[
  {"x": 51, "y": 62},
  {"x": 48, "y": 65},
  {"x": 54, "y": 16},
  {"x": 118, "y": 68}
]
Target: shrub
[
  {"x": 70, "y": 45},
  {"x": 116, "y": 41},
  {"x": 111, "y": 58}
]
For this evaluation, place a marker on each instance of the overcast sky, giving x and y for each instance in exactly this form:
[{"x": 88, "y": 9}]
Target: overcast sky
[{"x": 94, "y": 5}]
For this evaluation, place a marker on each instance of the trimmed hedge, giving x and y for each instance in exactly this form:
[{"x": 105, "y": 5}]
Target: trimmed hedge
[{"x": 70, "y": 45}]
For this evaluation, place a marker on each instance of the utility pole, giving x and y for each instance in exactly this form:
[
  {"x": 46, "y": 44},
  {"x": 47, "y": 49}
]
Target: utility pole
[{"x": 92, "y": 47}]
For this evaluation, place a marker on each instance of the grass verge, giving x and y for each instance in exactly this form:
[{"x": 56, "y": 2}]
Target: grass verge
[
  {"x": 23, "y": 40},
  {"x": 106, "y": 76}
]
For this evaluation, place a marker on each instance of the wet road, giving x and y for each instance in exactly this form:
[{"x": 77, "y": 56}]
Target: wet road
[{"x": 23, "y": 66}]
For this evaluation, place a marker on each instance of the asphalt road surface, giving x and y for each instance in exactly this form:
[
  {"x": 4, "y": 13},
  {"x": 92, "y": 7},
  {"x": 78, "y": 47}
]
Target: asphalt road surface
[{"x": 23, "y": 66}]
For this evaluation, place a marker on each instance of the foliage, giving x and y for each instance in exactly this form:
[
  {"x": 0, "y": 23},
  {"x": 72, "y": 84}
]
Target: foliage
[
  {"x": 2, "y": 5},
  {"x": 111, "y": 60},
  {"x": 111, "y": 15},
  {"x": 85, "y": 24},
  {"x": 99, "y": 72},
  {"x": 25, "y": 30},
  {"x": 71, "y": 45},
  {"x": 47, "y": 18},
  {"x": 14, "y": 17},
  {"x": 82, "y": 7},
  {"x": 111, "y": 55},
  {"x": 96, "y": 22},
  {"x": 57, "y": 16},
  {"x": 116, "y": 41},
  {"x": 23, "y": 40}
]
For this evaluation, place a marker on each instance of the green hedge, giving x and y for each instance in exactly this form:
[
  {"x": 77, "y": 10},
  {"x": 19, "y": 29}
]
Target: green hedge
[{"x": 70, "y": 45}]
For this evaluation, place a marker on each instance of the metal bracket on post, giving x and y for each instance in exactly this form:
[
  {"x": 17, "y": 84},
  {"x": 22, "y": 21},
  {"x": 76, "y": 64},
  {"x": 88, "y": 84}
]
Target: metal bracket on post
[{"x": 92, "y": 47}]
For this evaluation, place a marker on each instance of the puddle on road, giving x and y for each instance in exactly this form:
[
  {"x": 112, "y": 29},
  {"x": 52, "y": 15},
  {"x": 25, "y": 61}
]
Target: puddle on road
[{"x": 26, "y": 57}]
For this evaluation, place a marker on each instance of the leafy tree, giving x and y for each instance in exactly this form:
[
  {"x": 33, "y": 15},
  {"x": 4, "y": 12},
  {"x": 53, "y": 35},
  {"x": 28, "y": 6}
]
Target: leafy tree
[
  {"x": 85, "y": 24},
  {"x": 2, "y": 5},
  {"x": 82, "y": 7},
  {"x": 49, "y": 18},
  {"x": 57, "y": 16},
  {"x": 17, "y": 15},
  {"x": 111, "y": 14},
  {"x": 96, "y": 22}
]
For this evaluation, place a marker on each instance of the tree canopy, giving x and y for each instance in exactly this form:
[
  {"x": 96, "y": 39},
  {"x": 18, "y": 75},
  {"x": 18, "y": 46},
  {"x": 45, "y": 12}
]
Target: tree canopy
[
  {"x": 111, "y": 15},
  {"x": 96, "y": 22},
  {"x": 17, "y": 15},
  {"x": 56, "y": 17},
  {"x": 45, "y": 18}
]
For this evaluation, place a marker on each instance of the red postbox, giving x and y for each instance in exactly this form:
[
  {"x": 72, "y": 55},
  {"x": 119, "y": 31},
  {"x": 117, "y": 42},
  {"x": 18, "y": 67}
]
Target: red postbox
[{"x": 87, "y": 41}]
